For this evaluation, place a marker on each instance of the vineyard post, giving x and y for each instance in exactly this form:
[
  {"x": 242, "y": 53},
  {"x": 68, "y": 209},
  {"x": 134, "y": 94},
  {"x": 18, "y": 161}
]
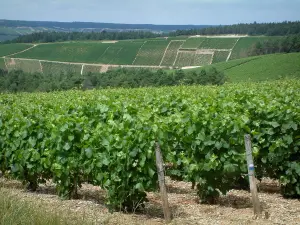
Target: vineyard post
[
  {"x": 251, "y": 174},
  {"x": 162, "y": 185}
]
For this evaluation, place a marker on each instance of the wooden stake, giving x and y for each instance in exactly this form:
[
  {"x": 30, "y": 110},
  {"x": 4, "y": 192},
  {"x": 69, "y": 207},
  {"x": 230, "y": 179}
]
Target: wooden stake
[
  {"x": 162, "y": 185},
  {"x": 251, "y": 174}
]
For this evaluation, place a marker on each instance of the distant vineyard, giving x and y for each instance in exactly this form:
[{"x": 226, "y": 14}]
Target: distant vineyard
[
  {"x": 28, "y": 66},
  {"x": 202, "y": 59},
  {"x": 60, "y": 68},
  {"x": 220, "y": 56},
  {"x": 107, "y": 138},
  {"x": 171, "y": 53},
  {"x": 193, "y": 42},
  {"x": 147, "y": 52},
  {"x": 91, "y": 69},
  {"x": 12, "y": 48},
  {"x": 185, "y": 58},
  {"x": 218, "y": 43},
  {"x": 151, "y": 53}
]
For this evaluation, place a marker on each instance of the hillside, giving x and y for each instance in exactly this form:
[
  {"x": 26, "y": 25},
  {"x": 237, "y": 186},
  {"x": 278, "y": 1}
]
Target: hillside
[
  {"x": 225, "y": 53},
  {"x": 159, "y": 52},
  {"x": 259, "y": 68}
]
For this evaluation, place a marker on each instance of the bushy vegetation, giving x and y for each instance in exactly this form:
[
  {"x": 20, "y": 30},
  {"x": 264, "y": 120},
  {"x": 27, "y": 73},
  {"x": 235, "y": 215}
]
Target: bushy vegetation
[
  {"x": 18, "y": 81},
  {"x": 107, "y": 138}
]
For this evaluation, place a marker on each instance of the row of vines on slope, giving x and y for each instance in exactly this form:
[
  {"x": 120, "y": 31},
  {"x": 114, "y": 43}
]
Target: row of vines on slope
[{"x": 107, "y": 137}]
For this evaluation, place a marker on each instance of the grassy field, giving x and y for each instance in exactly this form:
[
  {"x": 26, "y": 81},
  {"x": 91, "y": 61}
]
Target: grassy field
[
  {"x": 244, "y": 45},
  {"x": 7, "y": 49},
  {"x": 14, "y": 210},
  {"x": 261, "y": 68},
  {"x": 151, "y": 53}
]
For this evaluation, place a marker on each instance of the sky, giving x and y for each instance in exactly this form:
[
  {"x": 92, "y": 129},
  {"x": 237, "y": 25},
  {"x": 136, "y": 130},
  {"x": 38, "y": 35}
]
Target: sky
[{"x": 198, "y": 12}]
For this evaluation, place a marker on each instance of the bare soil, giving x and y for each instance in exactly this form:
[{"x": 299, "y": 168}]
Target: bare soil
[{"x": 233, "y": 208}]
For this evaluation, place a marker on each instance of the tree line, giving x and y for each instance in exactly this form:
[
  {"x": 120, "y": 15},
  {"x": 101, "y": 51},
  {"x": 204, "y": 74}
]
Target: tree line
[
  {"x": 19, "y": 81},
  {"x": 283, "y": 45},
  {"x": 97, "y": 26},
  {"x": 268, "y": 29},
  {"x": 46, "y": 37}
]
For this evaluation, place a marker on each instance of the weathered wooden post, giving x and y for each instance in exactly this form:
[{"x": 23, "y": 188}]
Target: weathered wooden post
[
  {"x": 251, "y": 174},
  {"x": 162, "y": 185}
]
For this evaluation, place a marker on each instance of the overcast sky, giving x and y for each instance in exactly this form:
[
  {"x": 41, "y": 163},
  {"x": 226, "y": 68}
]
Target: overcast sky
[{"x": 212, "y": 12}]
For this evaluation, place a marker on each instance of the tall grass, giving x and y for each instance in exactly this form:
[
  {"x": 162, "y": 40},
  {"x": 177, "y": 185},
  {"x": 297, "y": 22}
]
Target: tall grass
[{"x": 15, "y": 211}]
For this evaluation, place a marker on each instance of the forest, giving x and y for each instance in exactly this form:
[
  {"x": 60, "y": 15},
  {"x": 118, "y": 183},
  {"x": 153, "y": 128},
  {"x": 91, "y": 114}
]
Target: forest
[
  {"x": 92, "y": 25},
  {"x": 46, "y": 37},
  {"x": 252, "y": 29},
  {"x": 268, "y": 29},
  {"x": 284, "y": 45}
]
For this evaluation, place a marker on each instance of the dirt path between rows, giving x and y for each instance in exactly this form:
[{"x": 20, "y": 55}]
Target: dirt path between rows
[
  {"x": 233, "y": 208},
  {"x": 91, "y": 64}
]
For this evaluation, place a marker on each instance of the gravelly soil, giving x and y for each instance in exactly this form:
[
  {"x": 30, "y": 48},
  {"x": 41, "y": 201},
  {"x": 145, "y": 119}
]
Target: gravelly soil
[{"x": 234, "y": 208}]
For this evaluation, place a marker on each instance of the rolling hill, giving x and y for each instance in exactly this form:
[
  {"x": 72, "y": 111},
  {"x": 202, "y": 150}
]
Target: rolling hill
[
  {"x": 225, "y": 53},
  {"x": 261, "y": 68}
]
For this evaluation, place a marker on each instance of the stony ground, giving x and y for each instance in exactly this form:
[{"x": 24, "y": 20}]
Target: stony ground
[{"x": 234, "y": 208}]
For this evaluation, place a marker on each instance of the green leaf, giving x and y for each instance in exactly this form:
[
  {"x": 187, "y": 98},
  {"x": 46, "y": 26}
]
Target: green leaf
[
  {"x": 274, "y": 124},
  {"x": 88, "y": 152},
  {"x": 67, "y": 146},
  {"x": 139, "y": 186}
]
